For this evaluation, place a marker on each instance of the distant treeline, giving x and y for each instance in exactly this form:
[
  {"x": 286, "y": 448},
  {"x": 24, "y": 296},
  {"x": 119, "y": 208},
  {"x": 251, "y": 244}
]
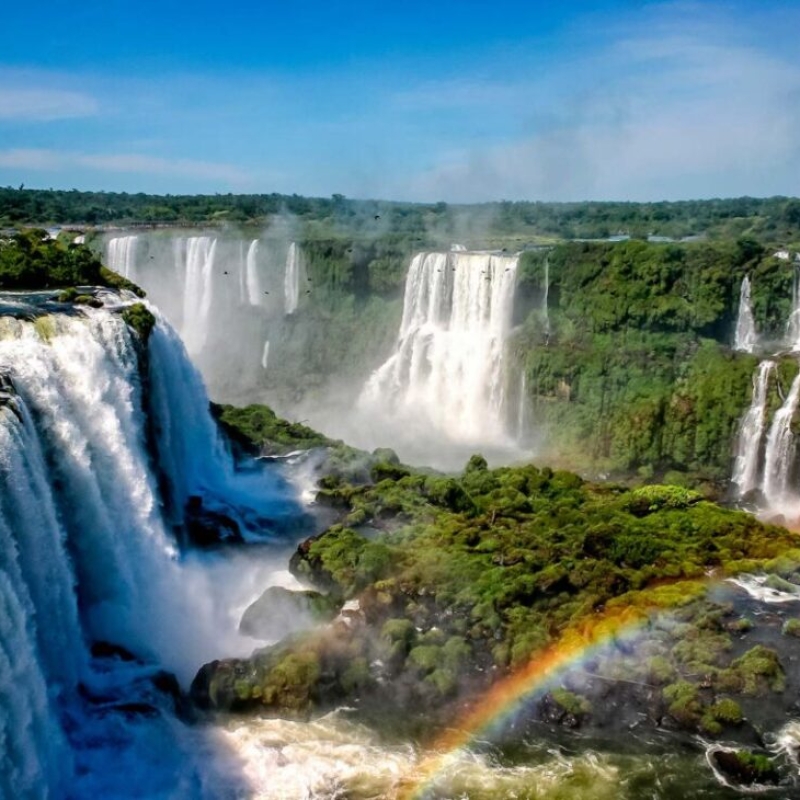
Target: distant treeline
[{"x": 774, "y": 220}]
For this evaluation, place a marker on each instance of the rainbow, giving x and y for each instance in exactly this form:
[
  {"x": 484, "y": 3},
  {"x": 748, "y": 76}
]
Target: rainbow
[{"x": 509, "y": 695}]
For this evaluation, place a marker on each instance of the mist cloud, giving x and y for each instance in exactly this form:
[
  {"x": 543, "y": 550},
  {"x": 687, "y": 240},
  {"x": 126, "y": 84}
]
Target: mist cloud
[{"x": 45, "y": 105}]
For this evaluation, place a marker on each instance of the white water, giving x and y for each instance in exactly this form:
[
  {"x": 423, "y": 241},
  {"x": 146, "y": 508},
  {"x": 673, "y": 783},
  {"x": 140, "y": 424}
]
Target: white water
[
  {"x": 86, "y": 549},
  {"x": 291, "y": 281},
  {"x": 121, "y": 256},
  {"x": 745, "y": 337},
  {"x": 751, "y": 433},
  {"x": 448, "y": 370},
  {"x": 254, "y": 290},
  {"x": 265, "y": 355},
  {"x": 780, "y": 453},
  {"x": 198, "y": 291},
  {"x": 793, "y": 326},
  {"x": 546, "y": 297}
]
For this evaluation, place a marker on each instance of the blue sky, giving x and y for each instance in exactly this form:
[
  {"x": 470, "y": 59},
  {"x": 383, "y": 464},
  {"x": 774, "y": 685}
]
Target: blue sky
[{"x": 458, "y": 101}]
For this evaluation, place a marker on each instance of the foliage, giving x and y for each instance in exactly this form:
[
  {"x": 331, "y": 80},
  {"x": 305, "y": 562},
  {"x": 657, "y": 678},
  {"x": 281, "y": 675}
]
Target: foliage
[
  {"x": 258, "y": 427},
  {"x": 471, "y": 576},
  {"x": 140, "y": 318},
  {"x": 774, "y": 219},
  {"x": 634, "y": 373}
]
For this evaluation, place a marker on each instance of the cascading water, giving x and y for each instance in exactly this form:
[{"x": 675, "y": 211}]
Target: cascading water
[
  {"x": 121, "y": 255},
  {"x": 252, "y": 281},
  {"x": 780, "y": 452},
  {"x": 89, "y": 464},
  {"x": 793, "y": 326},
  {"x": 291, "y": 282},
  {"x": 751, "y": 433},
  {"x": 449, "y": 365},
  {"x": 546, "y": 297},
  {"x": 745, "y": 337},
  {"x": 198, "y": 291}
]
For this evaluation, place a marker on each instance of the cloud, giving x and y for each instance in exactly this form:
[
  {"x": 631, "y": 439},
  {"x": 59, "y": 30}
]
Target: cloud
[
  {"x": 45, "y": 105},
  {"x": 670, "y": 111},
  {"x": 131, "y": 163}
]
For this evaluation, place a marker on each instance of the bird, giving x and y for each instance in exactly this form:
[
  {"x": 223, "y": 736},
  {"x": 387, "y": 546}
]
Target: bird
[
  {"x": 266, "y": 292},
  {"x": 377, "y": 216},
  {"x": 225, "y": 272}
]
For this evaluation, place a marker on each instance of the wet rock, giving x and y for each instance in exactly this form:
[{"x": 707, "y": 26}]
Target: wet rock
[
  {"x": 102, "y": 649},
  {"x": 561, "y": 707},
  {"x": 206, "y": 527},
  {"x": 745, "y": 768},
  {"x": 280, "y": 612}
]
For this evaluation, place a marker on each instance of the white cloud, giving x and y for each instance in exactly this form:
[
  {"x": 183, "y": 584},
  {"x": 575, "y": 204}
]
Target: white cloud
[
  {"x": 670, "y": 115},
  {"x": 45, "y": 105},
  {"x": 131, "y": 163}
]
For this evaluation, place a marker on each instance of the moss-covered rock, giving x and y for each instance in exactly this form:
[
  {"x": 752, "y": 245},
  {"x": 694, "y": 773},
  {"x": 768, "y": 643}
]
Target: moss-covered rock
[{"x": 140, "y": 319}]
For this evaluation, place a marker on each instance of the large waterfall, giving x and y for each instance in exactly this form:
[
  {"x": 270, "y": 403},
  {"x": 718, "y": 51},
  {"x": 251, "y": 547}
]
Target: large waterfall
[
  {"x": 225, "y": 295},
  {"x": 448, "y": 370},
  {"x": 197, "y": 296},
  {"x": 745, "y": 337},
  {"x": 121, "y": 255},
  {"x": 291, "y": 281},
  {"x": 94, "y": 475},
  {"x": 780, "y": 452},
  {"x": 751, "y": 432}
]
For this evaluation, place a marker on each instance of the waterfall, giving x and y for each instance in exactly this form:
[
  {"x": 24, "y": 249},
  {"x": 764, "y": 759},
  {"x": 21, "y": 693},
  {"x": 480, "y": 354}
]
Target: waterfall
[
  {"x": 793, "y": 327},
  {"x": 449, "y": 364},
  {"x": 745, "y": 337},
  {"x": 545, "y": 297},
  {"x": 780, "y": 451},
  {"x": 198, "y": 291},
  {"x": 89, "y": 464},
  {"x": 121, "y": 255},
  {"x": 751, "y": 433},
  {"x": 254, "y": 290},
  {"x": 291, "y": 281}
]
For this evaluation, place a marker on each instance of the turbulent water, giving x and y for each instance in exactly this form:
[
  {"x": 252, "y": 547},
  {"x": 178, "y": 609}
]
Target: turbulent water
[
  {"x": 745, "y": 338},
  {"x": 94, "y": 474},
  {"x": 448, "y": 372}
]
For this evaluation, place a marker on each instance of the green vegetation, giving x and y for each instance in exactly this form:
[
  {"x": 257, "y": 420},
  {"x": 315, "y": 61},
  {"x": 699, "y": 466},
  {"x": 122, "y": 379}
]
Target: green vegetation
[
  {"x": 471, "y": 576},
  {"x": 775, "y": 219},
  {"x": 138, "y": 317},
  {"x": 635, "y": 374},
  {"x": 31, "y": 260},
  {"x": 258, "y": 428}
]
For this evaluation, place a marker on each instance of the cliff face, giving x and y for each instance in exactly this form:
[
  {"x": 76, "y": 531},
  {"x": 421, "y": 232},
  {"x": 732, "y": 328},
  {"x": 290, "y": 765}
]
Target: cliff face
[{"x": 634, "y": 370}]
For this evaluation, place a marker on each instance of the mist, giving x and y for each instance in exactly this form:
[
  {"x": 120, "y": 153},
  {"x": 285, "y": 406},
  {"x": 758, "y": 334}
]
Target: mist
[{"x": 437, "y": 389}]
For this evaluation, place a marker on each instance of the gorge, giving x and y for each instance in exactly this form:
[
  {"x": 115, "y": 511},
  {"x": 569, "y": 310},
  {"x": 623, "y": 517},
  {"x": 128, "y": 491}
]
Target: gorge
[{"x": 439, "y": 585}]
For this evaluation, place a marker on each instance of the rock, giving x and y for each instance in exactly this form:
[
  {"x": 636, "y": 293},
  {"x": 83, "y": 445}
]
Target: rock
[
  {"x": 744, "y": 768},
  {"x": 101, "y": 649},
  {"x": 206, "y": 528},
  {"x": 280, "y": 612},
  {"x": 561, "y": 707}
]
